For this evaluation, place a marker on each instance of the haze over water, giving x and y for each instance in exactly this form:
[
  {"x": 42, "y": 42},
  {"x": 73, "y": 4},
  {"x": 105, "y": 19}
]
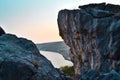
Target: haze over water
[{"x": 56, "y": 59}]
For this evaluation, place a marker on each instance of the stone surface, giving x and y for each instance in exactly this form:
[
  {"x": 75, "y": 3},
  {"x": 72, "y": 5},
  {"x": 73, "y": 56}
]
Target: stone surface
[
  {"x": 113, "y": 75},
  {"x": 20, "y": 60},
  {"x": 93, "y": 35},
  {"x": 1, "y": 31}
]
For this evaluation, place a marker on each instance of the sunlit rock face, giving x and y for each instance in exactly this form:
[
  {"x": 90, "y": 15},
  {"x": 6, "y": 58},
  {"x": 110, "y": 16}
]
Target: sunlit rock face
[
  {"x": 93, "y": 34},
  {"x": 20, "y": 60}
]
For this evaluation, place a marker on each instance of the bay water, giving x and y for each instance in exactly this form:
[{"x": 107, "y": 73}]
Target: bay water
[{"x": 56, "y": 59}]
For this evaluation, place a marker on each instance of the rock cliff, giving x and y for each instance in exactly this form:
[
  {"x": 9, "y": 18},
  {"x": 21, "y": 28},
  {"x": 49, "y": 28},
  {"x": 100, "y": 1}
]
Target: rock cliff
[
  {"x": 20, "y": 60},
  {"x": 93, "y": 34}
]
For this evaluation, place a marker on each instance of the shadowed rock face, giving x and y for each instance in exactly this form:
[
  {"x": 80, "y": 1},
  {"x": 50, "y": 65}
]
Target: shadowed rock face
[
  {"x": 20, "y": 60},
  {"x": 93, "y": 35},
  {"x": 1, "y": 31}
]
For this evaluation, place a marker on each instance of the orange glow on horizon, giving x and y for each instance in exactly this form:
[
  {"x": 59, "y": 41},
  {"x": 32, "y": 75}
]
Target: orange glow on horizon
[{"x": 39, "y": 34}]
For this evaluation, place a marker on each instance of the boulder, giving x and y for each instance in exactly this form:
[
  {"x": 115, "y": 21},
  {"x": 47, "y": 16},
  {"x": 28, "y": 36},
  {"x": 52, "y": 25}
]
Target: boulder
[
  {"x": 20, "y": 60},
  {"x": 93, "y": 35}
]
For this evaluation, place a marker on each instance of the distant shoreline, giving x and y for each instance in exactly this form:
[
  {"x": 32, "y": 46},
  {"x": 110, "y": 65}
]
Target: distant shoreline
[
  {"x": 59, "y": 47},
  {"x": 56, "y": 59}
]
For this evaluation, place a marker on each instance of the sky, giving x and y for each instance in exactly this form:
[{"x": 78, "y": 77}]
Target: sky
[{"x": 37, "y": 19}]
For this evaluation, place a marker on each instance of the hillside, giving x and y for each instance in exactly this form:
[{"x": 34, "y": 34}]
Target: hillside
[{"x": 59, "y": 47}]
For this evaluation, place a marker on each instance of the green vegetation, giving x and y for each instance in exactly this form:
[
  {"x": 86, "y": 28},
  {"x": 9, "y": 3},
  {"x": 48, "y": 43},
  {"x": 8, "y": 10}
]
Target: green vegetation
[{"x": 68, "y": 70}]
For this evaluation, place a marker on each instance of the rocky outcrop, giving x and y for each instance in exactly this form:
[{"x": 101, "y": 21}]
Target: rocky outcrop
[
  {"x": 1, "y": 31},
  {"x": 93, "y": 35},
  {"x": 20, "y": 60}
]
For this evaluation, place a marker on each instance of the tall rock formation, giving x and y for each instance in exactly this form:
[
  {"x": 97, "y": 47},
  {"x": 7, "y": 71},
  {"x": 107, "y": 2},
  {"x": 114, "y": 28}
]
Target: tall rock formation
[
  {"x": 20, "y": 60},
  {"x": 93, "y": 35}
]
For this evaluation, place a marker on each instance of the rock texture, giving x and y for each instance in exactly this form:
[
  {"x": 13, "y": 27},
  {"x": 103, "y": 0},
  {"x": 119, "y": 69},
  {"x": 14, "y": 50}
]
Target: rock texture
[
  {"x": 93, "y": 35},
  {"x": 20, "y": 60}
]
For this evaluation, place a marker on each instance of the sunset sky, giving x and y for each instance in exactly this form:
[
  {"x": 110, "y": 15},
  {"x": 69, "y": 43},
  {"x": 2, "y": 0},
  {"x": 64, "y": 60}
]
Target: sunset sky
[{"x": 37, "y": 19}]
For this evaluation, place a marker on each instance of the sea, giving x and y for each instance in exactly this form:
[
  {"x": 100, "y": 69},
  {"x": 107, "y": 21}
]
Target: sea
[{"x": 56, "y": 59}]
